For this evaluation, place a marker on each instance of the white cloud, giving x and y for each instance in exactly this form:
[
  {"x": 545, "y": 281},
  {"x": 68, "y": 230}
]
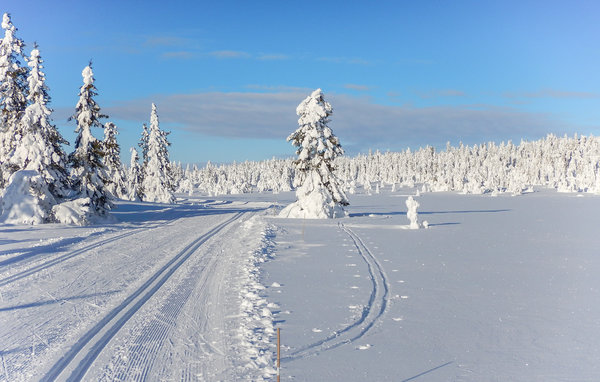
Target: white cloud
[
  {"x": 178, "y": 55},
  {"x": 360, "y": 88},
  {"x": 229, "y": 54},
  {"x": 553, "y": 93},
  {"x": 274, "y": 57},
  {"x": 360, "y": 123},
  {"x": 440, "y": 93}
]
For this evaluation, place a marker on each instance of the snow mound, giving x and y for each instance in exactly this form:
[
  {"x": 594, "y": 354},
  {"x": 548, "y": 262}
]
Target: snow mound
[
  {"x": 75, "y": 212},
  {"x": 27, "y": 199},
  {"x": 257, "y": 331}
]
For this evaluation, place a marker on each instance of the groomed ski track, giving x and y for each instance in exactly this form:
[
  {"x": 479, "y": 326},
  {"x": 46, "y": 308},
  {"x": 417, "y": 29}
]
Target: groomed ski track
[{"x": 77, "y": 360}]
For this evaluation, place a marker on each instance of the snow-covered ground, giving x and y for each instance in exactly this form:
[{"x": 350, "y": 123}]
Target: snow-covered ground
[{"x": 498, "y": 288}]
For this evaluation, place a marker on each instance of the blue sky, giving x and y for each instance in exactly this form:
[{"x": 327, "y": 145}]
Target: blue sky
[{"x": 227, "y": 75}]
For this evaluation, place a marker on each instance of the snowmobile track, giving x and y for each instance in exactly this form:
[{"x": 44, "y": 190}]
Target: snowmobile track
[
  {"x": 69, "y": 255},
  {"x": 372, "y": 312},
  {"x": 75, "y": 363}
]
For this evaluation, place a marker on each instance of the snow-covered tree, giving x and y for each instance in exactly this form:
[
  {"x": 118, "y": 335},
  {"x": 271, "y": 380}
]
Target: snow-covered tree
[
  {"x": 87, "y": 169},
  {"x": 13, "y": 96},
  {"x": 143, "y": 144},
  {"x": 319, "y": 191},
  {"x": 134, "y": 178},
  {"x": 39, "y": 147},
  {"x": 411, "y": 213},
  {"x": 112, "y": 161},
  {"x": 157, "y": 183}
]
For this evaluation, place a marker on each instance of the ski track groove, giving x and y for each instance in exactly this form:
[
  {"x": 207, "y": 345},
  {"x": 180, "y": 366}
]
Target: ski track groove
[
  {"x": 62, "y": 258},
  {"x": 83, "y": 353},
  {"x": 372, "y": 313}
]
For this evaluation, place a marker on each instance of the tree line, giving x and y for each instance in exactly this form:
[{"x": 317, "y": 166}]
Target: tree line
[{"x": 36, "y": 173}]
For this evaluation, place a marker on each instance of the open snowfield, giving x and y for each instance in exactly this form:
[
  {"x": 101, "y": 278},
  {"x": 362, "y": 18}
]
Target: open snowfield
[{"x": 497, "y": 289}]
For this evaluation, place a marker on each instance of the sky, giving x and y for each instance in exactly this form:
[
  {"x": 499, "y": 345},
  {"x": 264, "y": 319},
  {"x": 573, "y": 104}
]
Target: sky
[{"x": 227, "y": 76}]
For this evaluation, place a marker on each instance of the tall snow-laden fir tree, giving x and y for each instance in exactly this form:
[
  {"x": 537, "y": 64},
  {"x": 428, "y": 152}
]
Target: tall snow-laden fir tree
[
  {"x": 319, "y": 191},
  {"x": 112, "y": 161},
  {"x": 134, "y": 178},
  {"x": 157, "y": 183},
  {"x": 39, "y": 147},
  {"x": 143, "y": 144},
  {"x": 13, "y": 96},
  {"x": 87, "y": 169}
]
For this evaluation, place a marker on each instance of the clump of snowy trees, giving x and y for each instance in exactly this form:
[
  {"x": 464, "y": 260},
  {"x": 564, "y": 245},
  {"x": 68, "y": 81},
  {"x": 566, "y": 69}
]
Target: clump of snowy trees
[
  {"x": 567, "y": 164},
  {"x": 39, "y": 183}
]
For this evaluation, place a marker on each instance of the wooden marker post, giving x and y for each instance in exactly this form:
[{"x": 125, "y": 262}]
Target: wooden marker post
[{"x": 278, "y": 353}]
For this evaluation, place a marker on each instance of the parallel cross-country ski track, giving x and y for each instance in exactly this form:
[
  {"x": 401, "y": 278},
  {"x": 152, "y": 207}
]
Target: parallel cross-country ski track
[
  {"x": 74, "y": 364},
  {"x": 372, "y": 312},
  {"x": 64, "y": 257}
]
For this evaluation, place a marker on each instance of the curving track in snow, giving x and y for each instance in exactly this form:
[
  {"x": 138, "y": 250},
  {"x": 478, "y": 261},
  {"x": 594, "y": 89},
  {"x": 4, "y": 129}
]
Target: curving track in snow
[
  {"x": 75, "y": 363},
  {"x": 372, "y": 312}
]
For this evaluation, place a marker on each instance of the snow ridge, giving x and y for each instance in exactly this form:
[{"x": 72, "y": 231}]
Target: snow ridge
[{"x": 257, "y": 332}]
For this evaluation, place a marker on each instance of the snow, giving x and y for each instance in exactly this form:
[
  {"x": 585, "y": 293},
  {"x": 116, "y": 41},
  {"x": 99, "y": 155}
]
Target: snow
[
  {"x": 6, "y": 24},
  {"x": 88, "y": 76},
  {"x": 498, "y": 288},
  {"x": 26, "y": 200},
  {"x": 411, "y": 213}
]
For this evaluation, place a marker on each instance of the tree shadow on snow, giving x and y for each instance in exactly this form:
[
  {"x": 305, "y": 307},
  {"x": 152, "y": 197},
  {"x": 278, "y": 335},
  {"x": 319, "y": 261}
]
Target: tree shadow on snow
[
  {"x": 403, "y": 213},
  {"x": 41, "y": 249},
  {"x": 143, "y": 213},
  {"x": 427, "y": 372},
  {"x": 56, "y": 301}
]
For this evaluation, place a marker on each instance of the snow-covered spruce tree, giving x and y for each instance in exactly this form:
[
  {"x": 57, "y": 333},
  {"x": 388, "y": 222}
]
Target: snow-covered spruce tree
[
  {"x": 112, "y": 161},
  {"x": 13, "y": 96},
  {"x": 87, "y": 168},
  {"x": 38, "y": 159},
  {"x": 319, "y": 192},
  {"x": 39, "y": 148},
  {"x": 157, "y": 183},
  {"x": 134, "y": 178},
  {"x": 143, "y": 144}
]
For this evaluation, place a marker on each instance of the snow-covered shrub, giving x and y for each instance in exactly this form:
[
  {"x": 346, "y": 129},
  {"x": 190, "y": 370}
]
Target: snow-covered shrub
[
  {"x": 77, "y": 212},
  {"x": 26, "y": 199},
  {"x": 411, "y": 214}
]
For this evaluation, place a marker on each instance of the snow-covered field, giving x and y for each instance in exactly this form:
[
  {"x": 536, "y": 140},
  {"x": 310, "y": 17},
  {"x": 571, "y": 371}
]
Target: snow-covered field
[{"x": 499, "y": 288}]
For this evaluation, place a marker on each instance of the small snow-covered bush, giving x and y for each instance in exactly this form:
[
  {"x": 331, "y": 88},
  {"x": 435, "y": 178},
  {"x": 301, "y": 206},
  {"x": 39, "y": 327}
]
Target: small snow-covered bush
[
  {"x": 27, "y": 199},
  {"x": 77, "y": 212},
  {"x": 411, "y": 214}
]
